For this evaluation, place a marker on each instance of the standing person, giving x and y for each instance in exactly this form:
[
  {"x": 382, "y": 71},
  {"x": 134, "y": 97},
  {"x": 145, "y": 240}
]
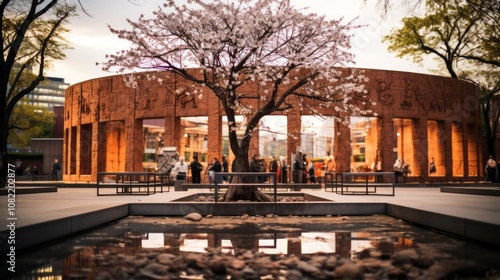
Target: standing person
[
  {"x": 216, "y": 167},
  {"x": 273, "y": 166},
  {"x": 35, "y": 173},
  {"x": 210, "y": 172},
  {"x": 19, "y": 168},
  {"x": 305, "y": 172},
  {"x": 180, "y": 169},
  {"x": 28, "y": 171},
  {"x": 262, "y": 168},
  {"x": 406, "y": 171},
  {"x": 196, "y": 169},
  {"x": 310, "y": 170},
  {"x": 378, "y": 168},
  {"x": 432, "y": 166},
  {"x": 398, "y": 169},
  {"x": 284, "y": 170},
  {"x": 330, "y": 165},
  {"x": 225, "y": 167},
  {"x": 56, "y": 166},
  {"x": 256, "y": 165},
  {"x": 233, "y": 166},
  {"x": 298, "y": 168},
  {"x": 491, "y": 170}
]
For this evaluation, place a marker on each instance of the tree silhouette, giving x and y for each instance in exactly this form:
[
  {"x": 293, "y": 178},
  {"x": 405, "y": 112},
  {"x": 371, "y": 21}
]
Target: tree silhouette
[{"x": 32, "y": 36}]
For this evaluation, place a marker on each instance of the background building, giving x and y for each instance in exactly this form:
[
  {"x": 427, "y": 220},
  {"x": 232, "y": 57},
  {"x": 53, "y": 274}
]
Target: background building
[{"x": 48, "y": 94}]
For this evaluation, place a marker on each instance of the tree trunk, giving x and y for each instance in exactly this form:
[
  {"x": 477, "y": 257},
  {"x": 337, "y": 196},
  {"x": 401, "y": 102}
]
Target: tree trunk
[
  {"x": 4, "y": 159},
  {"x": 243, "y": 188},
  {"x": 252, "y": 193}
]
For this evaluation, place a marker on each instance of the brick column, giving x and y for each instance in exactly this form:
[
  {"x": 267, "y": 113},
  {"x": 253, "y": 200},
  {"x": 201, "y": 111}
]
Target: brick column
[
  {"x": 342, "y": 149},
  {"x": 214, "y": 133},
  {"x": 421, "y": 151},
  {"x": 294, "y": 125},
  {"x": 134, "y": 145},
  {"x": 385, "y": 136}
]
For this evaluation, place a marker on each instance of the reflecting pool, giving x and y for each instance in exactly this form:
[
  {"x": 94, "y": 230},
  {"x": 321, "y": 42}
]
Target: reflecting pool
[{"x": 127, "y": 247}]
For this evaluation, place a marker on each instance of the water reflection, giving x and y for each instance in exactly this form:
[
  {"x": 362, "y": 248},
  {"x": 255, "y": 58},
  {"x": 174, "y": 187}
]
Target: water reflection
[{"x": 84, "y": 257}]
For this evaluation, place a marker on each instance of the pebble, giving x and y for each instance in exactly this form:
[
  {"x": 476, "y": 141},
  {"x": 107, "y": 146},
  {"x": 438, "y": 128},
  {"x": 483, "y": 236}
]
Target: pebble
[
  {"x": 216, "y": 263},
  {"x": 246, "y": 264}
]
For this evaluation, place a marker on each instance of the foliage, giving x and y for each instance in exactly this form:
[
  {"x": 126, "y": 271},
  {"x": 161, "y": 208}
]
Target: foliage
[
  {"x": 290, "y": 53},
  {"x": 464, "y": 36},
  {"x": 32, "y": 36},
  {"x": 28, "y": 121}
]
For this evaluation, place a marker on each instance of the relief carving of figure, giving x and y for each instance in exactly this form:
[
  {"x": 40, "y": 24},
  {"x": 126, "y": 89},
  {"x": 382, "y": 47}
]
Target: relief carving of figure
[
  {"x": 436, "y": 104},
  {"x": 383, "y": 91},
  {"x": 184, "y": 99},
  {"x": 146, "y": 98},
  {"x": 410, "y": 91},
  {"x": 84, "y": 105}
]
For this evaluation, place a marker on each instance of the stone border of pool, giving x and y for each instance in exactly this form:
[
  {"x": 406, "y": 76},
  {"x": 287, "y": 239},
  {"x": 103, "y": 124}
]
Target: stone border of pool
[{"x": 39, "y": 233}]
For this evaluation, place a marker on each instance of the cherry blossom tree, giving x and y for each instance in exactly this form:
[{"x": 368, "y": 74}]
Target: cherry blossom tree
[{"x": 292, "y": 54}]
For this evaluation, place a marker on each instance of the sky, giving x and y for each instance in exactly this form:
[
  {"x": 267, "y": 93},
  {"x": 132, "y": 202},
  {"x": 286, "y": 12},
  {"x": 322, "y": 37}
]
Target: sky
[{"x": 91, "y": 39}]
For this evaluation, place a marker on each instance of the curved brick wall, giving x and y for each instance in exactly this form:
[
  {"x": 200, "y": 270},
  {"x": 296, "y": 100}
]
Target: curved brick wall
[{"x": 439, "y": 117}]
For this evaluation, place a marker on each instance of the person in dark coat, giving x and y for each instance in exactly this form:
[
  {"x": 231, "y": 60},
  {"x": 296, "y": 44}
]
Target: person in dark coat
[
  {"x": 225, "y": 167},
  {"x": 305, "y": 172},
  {"x": 256, "y": 165},
  {"x": 298, "y": 168},
  {"x": 196, "y": 169},
  {"x": 56, "y": 166},
  {"x": 217, "y": 167},
  {"x": 284, "y": 170}
]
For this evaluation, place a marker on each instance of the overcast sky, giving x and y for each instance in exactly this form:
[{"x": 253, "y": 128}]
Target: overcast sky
[{"x": 92, "y": 40}]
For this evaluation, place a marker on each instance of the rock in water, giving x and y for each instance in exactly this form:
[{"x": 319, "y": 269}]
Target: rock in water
[{"x": 194, "y": 217}]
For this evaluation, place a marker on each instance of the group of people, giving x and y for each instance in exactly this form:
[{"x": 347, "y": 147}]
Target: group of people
[
  {"x": 304, "y": 170},
  {"x": 257, "y": 164},
  {"x": 181, "y": 168},
  {"x": 401, "y": 170},
  {"x": 33, "y": 172}
]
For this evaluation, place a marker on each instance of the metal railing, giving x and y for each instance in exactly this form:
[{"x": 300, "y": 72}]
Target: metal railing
[
  {"x": 360, "y": 182},
  {"x": 142, "y": 183}
]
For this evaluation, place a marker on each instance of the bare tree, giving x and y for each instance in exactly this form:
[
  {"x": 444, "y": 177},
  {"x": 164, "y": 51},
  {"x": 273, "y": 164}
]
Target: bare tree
[{"x": 289, "y": 53}]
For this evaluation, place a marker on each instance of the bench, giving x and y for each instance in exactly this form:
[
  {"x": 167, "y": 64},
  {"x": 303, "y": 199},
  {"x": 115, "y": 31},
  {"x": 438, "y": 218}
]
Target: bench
[
  {"x": 132, "y": 183},
  {"x": 360, "y": 182}
]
